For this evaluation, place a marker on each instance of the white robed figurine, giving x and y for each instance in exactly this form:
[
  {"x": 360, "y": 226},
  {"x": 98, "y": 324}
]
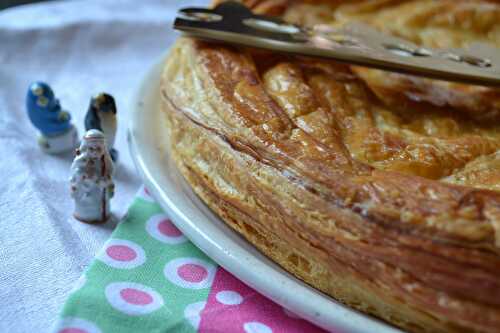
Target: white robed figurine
[{"x": 91, "y": 180}]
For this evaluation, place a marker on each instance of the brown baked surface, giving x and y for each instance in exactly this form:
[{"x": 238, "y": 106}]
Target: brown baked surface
[{"x": 382, "y": 190}]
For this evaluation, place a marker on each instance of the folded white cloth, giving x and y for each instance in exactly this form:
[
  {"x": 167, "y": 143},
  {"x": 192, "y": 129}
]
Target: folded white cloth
[{"x": 80, "y": 48}]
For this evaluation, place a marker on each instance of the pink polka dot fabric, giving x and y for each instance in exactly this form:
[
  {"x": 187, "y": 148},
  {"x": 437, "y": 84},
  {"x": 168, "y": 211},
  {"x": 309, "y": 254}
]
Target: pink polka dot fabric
[
  {"x": 121, "y": 253},
  {"x": 136, "y": 297},
  {"x": 148, "y": 277},
  {"x": 192, "y": 272},
  {"x": 232, "y": 306}
]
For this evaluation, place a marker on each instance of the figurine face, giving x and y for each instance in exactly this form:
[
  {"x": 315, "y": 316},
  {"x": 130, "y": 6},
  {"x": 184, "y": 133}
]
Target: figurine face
[
  {"x": 93, "y": 144},
  {"x": 94, "y": 151}
]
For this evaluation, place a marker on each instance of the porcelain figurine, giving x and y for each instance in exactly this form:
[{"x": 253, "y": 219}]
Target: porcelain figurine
[
  {"x": 91, "y": 179},
  {"x": 57, "y": 134},
  {"x": 101, "y": 115}
]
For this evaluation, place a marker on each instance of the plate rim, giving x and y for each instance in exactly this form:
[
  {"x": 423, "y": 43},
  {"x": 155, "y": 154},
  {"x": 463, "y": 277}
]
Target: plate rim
[{"x": 327, "y": 313}]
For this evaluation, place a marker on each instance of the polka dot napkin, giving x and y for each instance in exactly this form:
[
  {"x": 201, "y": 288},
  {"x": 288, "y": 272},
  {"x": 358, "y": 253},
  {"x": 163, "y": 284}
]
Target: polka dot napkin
[{"x": 149, "y": 278}]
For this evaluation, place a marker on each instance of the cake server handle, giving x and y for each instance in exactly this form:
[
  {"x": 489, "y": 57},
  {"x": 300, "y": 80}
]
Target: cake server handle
[{"x": 357, "y": 44}]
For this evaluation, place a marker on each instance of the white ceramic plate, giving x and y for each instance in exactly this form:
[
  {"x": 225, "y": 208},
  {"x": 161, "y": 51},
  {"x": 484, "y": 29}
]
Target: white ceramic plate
[{"x": 150, "y": 153}]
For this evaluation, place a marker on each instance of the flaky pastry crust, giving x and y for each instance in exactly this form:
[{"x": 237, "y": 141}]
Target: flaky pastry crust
[{"x": 382, "y": 190}]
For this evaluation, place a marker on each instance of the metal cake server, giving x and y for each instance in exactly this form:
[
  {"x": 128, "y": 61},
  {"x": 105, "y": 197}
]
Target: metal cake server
[{"x": 356, "y": 44}]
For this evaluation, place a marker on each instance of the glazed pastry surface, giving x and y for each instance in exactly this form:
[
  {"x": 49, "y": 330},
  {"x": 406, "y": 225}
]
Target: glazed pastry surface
[{"x": 380, "y": 189}]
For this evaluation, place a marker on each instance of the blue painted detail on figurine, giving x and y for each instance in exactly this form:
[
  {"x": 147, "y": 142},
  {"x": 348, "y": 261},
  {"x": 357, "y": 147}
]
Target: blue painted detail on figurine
[{"x": 45, "y": 111}]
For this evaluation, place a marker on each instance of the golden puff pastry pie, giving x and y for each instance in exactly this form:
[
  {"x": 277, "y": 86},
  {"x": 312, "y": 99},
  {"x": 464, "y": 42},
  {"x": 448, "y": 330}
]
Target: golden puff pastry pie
[{"x": 380, "y": 189}]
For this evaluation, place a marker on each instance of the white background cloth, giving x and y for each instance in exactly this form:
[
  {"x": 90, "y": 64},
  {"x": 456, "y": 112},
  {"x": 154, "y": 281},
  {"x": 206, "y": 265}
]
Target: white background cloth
[{"x": 80, "y": 48}]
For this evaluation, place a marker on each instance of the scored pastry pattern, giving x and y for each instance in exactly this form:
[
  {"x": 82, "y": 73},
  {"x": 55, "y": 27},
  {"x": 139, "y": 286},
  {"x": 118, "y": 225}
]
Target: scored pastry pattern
[{"x": 355, "y": 170}]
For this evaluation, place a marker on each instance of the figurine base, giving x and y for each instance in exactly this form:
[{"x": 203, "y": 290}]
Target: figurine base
[
  {"x": 92, "y": 210},
  {"x": 99, "y": 221},
  {"x": 60, "y": 143}
]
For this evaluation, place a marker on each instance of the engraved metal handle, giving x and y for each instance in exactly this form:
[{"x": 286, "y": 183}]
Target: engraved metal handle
[{"x": 356, "y": 44}]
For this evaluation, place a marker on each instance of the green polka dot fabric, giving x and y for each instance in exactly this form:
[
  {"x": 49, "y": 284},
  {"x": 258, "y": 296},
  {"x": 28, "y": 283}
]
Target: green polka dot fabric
[{"x": 149, "y": 278}]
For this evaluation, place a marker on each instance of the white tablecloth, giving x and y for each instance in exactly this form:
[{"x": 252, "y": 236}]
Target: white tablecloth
[{"x": 80, "y": 48}]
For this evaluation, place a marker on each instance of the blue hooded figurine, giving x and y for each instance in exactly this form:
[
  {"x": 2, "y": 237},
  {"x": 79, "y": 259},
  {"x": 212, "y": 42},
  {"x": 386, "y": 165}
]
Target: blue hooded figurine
[{"x": 57, "y": 134}]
